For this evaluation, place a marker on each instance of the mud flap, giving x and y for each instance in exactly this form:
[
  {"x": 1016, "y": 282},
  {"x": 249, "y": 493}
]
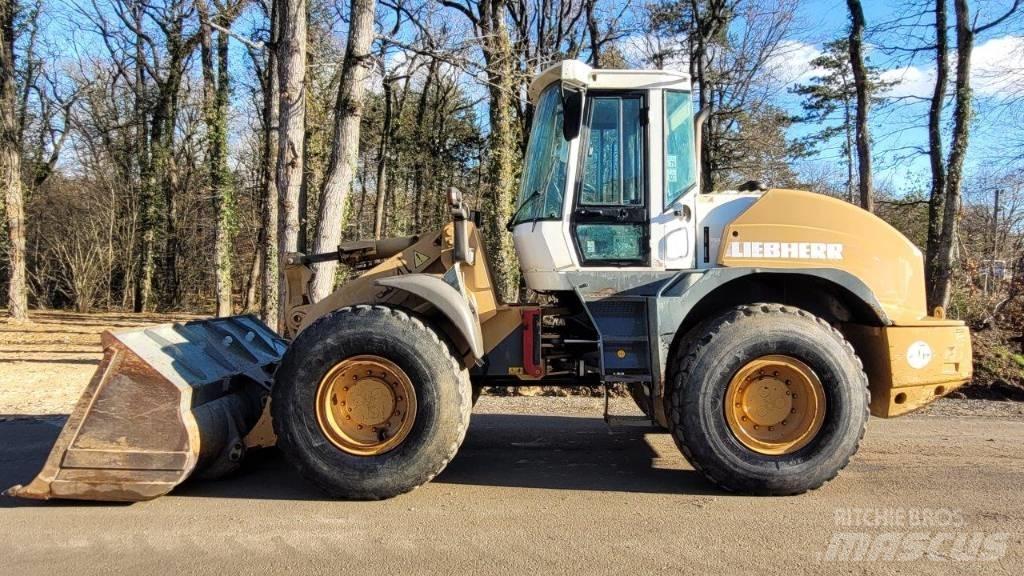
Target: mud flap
[{"x": 166, "y": 402}]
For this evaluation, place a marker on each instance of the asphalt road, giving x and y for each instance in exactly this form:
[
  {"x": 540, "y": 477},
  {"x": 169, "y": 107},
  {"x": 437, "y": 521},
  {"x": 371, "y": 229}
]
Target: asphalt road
[{"x": 553, "y": 492}]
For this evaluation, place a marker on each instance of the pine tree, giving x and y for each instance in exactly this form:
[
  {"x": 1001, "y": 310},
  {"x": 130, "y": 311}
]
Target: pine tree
[{"x": 830, "y": 101}]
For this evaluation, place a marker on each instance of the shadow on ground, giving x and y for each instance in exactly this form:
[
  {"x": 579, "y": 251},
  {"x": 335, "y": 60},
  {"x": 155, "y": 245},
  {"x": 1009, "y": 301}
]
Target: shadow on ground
[{"x": 501, "y": 450}]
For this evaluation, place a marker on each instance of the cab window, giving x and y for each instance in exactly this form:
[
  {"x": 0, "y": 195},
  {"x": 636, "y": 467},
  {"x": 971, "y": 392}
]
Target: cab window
[
  {"x": 679, "y": 161},
  {"x": 612, "y": 173}
]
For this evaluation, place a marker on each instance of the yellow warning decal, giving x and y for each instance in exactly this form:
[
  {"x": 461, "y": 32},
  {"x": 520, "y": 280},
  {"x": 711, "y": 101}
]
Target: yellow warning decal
[{"x": 419, "y": 259}]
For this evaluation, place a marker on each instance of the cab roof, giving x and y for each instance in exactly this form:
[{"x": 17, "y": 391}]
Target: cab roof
[{"x": 582, "y": 76}]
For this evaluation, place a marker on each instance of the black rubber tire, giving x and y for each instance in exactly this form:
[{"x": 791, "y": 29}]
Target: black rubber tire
[
  {"x": 700, "y": 374},
  {"x": 443, "y": 396}
]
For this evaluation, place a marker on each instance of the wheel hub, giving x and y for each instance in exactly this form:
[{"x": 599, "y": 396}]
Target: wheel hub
[
  {"x": 775, "y": 405},
  {"x": 366, "y": 405}
]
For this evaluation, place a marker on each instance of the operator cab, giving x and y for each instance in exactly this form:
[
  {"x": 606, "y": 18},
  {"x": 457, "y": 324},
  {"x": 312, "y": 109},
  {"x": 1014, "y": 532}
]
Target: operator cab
[{"x": 610, "y": 180}]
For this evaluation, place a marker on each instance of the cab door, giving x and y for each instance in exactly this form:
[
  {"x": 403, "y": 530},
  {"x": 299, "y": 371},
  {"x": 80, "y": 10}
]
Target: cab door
[
  {"x": 610, "y": 222},
  {"x": 676, "y": 241}
]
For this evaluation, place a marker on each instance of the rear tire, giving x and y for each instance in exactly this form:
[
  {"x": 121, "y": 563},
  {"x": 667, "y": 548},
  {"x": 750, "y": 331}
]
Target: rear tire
[
  {"x": 442, "y": 402},
  {"x": 721, "y": 350}
]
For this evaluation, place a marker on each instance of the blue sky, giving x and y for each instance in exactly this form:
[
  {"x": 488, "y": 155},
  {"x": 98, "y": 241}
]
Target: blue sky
[{"x": 899, "y": 128}]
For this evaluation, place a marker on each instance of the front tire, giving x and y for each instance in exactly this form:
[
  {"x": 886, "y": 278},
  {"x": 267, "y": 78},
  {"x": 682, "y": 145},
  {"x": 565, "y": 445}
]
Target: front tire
[
  {"x": 767, "y": 399},
  {"x": 369, "y": 402}
]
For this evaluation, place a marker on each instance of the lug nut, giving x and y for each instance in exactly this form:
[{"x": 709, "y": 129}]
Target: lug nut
[{"x": 783, "y": 422}]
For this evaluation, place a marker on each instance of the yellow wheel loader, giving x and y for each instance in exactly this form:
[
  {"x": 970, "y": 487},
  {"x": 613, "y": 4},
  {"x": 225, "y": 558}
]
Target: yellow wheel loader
[{"x": 758, "y": 327}]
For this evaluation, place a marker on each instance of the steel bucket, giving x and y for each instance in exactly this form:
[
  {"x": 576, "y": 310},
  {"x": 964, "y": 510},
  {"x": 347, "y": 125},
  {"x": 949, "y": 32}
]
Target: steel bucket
[{"x": 166, "y": 402}]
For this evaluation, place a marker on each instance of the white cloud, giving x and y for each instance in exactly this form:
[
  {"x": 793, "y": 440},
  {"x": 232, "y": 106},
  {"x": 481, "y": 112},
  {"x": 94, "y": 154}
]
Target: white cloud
[
  {"x": 791, "y": 62},
  {"x": 641, "y": 50},
  {"x": 997, "y": 67},
  {"x": 910, "y": 81}
]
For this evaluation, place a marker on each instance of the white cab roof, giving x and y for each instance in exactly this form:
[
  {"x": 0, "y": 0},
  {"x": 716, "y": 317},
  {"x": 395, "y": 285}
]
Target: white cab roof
[{"x": 582, "y": 76}]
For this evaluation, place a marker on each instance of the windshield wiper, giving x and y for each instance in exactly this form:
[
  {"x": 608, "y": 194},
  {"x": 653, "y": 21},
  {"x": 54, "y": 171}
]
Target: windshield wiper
[{"x": 528, "y": 202}]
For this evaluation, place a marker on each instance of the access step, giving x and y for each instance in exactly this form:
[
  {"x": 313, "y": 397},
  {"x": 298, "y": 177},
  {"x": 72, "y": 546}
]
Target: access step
[{"x": 632, "y": 423}]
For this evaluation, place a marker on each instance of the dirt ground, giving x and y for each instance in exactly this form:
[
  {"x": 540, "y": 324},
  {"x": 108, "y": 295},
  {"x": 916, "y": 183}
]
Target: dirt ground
[
  {"x": 540, "y": 485},
  {"x": 45, "y": 363}
]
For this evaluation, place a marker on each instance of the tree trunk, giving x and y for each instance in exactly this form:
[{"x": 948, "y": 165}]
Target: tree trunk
[
  {"x": 140, "y": 243},
  {"x": 709, "y": 20},
  {"x": 937, "y": 195},
  {"x": 593, "y": 32},
  {"x": 848, "y": 153},
  {"x": 942, "y": 280},
  {"x": 269, "y": 294},
  {"x": 215, "y": 111},
  {"x": 860, "y": 82},
  {"x": 291, "y": 50},
  {"x": 148, "y": 215},
  {"x": 348, "y": 112},
  {"x": 10, "y": 167},
  {"x": 503, "y": 149},
  {"x": 169, "y": 289},
  {"x": 382, "y": 162},
  {"x": 252, "y": 283},
  {"x": 421, "y": 142}
]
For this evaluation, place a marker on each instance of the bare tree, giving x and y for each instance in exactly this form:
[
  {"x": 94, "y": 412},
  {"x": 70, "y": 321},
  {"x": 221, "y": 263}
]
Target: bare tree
[
  {"x": 215, "y": 112},
  {"x": 862, "y": 88},
  {"x": 269, "y": 289},
  {"x": 348, "y": 112},
  {"x": 488, "y": 18},
  {"x": 941, "y": 261},
  {"x": 291, "y": 59},
  {"x": 10, "y": 165}
]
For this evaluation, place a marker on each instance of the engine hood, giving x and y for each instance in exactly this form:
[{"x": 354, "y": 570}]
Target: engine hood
[{"x": 797, "y": 229}]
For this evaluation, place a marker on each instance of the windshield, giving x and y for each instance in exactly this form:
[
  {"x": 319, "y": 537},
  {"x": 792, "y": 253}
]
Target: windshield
[{"x": 546, "y": 158}]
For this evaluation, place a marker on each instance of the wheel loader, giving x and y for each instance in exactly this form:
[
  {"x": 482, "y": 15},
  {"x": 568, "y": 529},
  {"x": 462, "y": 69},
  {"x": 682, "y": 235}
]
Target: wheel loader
[{"x": 759, "y": 327}]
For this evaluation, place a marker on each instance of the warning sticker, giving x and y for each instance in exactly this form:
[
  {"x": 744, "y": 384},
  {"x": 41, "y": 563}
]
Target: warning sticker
[{"x": 419, "y": 259}]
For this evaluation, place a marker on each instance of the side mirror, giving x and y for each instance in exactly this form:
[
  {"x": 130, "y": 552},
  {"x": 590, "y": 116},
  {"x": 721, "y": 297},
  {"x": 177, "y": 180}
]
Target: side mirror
[
  {"x": 572, "y": 111},
  {"x": 454, "y": 198},
  {"x": 460, "y": 217}
]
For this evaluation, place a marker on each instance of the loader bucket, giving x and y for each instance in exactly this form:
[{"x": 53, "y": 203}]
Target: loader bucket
[{"x": 166, "y": 402}]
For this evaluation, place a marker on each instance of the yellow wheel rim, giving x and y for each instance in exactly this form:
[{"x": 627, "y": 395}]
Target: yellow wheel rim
[
  {"x": 775, "y": 405},
  {"x": 366, "y": 405}
]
